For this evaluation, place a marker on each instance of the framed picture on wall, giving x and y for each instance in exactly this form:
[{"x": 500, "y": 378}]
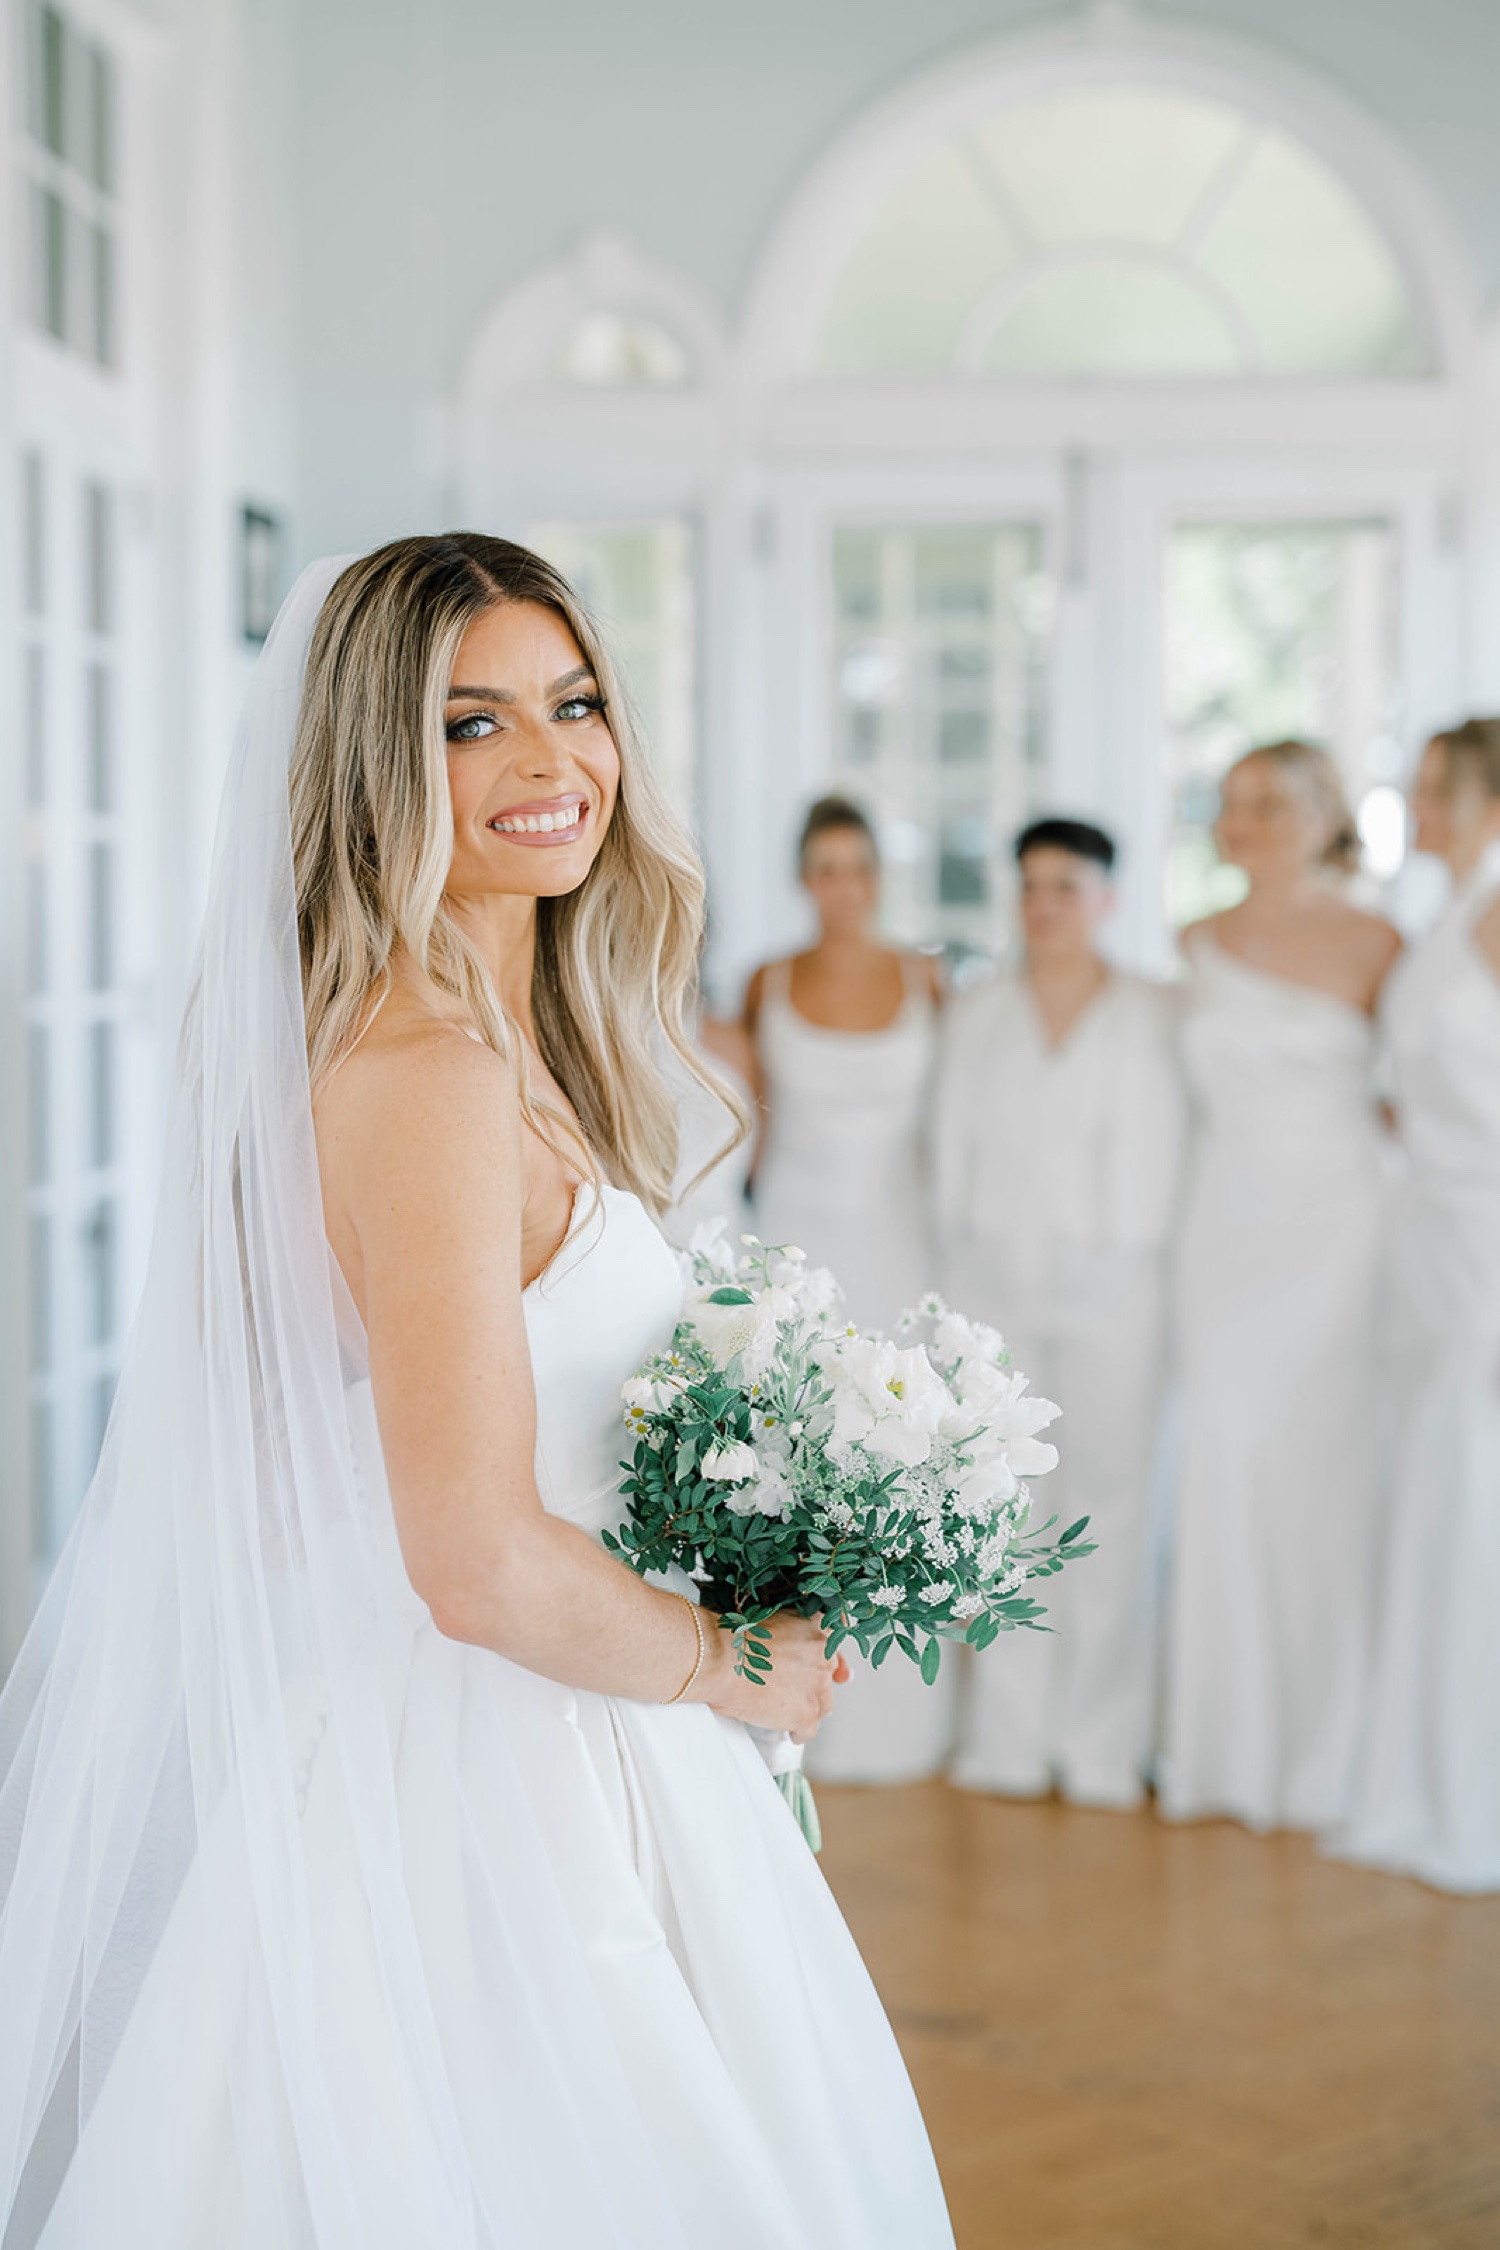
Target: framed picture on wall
[{"x": 261, "y": 543}]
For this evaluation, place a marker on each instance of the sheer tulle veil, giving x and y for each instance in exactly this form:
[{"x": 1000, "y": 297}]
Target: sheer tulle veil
[{"x": 211, "y": 1651}]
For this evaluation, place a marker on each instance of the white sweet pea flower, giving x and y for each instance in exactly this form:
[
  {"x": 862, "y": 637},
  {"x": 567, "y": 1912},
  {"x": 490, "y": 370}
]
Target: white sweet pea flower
[
  {"x": 728, "y": 1464},
  {"x": 980, "y": 1489},
  {"x": 885, "y": 1399}
]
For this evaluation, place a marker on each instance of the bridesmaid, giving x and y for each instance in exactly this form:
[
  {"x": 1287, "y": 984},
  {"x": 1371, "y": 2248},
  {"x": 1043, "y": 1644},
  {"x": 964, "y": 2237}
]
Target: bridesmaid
[
  {"x": 843, "y": 1039},
  {"x": 1278, "y": 1264},
  {"x": 1428, "y": 1797}
]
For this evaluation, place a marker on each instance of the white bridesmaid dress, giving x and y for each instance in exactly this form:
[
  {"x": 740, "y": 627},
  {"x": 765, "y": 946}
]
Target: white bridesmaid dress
[
  {"x": 715, "y": 2071},
  {"x": 843, "y": 1175},
  {"x": 1427, "y": 1802},
  {"x": 1057, "y": 1173},
  {"x": 1277, "y": 1529}
]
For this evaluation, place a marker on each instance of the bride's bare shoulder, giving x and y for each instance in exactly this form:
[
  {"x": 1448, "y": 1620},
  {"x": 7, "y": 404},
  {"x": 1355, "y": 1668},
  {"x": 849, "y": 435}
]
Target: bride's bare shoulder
[{"x": 417, "y": 1080}]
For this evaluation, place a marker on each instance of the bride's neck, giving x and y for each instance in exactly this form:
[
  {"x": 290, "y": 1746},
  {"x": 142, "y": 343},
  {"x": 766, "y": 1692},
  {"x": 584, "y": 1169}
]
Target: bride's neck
[{"x": 502, "y": 931}]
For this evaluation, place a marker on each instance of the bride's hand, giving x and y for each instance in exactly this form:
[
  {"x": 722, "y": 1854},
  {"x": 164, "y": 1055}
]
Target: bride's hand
[{"x": 796, "y": 1694}]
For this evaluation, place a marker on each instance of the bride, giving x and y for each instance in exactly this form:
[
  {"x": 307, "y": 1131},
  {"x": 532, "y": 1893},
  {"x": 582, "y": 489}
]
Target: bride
[{"x": 383, "y": 1865}]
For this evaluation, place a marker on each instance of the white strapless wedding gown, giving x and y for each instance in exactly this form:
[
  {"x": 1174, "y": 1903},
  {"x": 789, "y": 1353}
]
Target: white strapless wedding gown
[
  {"x": 1277, "y": 1529},
  {"x": 1427, "y": 1801},
  {"x": 651, "y": 2025}
]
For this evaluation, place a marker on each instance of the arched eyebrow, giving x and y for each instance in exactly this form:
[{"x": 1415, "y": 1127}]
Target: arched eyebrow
[{"x": 575, "y": 678}]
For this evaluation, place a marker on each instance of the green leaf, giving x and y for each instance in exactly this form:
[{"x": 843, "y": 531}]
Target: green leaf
[
  {"x": 932, "y": 1657},
  {"x": 729, "y": 1295}
]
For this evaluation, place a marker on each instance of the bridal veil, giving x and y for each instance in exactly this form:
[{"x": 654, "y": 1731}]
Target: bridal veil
[{"x": 216, "y": 1632}]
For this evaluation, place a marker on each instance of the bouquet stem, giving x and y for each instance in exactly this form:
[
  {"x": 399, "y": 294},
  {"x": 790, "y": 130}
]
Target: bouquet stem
[
  {"x": 784, "y": 1758},
  {"x": 797, "y": 1790}
]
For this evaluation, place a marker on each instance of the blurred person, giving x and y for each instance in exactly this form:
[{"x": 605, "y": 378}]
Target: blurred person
[
  {"x": 1427, "y": 1802},
  {"x": 382, "y": 1861},
  {"x": 1057, "y": 1135},
  {"x": 843, "y": 1038},
  {"x": 1276, "y": 1531}
]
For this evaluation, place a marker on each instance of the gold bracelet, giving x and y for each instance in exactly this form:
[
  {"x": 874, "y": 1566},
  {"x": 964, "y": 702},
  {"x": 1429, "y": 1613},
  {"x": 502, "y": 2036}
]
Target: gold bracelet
[{"x": 693, "y": 1612}]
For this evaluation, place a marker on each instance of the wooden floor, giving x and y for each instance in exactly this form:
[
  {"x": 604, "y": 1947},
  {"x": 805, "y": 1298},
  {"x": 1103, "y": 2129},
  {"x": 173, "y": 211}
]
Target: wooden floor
[{"x": 1128, "y": 2036}]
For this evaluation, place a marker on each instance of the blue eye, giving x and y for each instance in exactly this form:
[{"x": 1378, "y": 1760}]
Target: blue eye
[
  {"x": 577, "y": 706},
  {"x": 467, "y": 730}
]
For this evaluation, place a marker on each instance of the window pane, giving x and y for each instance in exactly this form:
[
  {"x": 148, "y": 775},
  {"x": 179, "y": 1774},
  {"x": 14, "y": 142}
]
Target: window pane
[
  {"x": 38, "y": 1105},
  {"x": 101, "y": 780},
  {"x": 1128, "y": 164},
  {"x": 101, "y": 119},
  {"x": 104, "y": 1399},
  {"x": 42, "y": 1480},
  {"x": 1318, "y": 284},
  {"x": 102, "y": 1046},
  {"x": 620, "y": 348},
  {"x": 52, "y": 40},
  {"x": 36, "y": 928},
  {"x": 35, "y": 691},
  {"x": 101, "y": 947},
  {"x": 34, "y": 532},
  {"x": 99, "y": 1271},
  {"x": 1105, "y": 317},
  {"x": 935, "y": 247},
  {"x": 102, "y": 306},
  {"x": 1272, "y": 630},
  {"x": 39, "y": 1290},
  {"x": 98, "y": 544},
  {"x": 937, "y": 718},
  {"x": 49, "y": 262}
]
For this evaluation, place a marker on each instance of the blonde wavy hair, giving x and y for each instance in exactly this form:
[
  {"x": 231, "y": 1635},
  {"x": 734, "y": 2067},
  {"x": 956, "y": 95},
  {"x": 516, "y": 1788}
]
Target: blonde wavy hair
[
  {"x": 1315, "y": 773},
  {"x": 372, "y": 843}
]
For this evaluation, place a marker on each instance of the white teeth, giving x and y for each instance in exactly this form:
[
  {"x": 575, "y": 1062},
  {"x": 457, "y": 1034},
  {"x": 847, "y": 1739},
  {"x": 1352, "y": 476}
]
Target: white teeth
[{"x": 540, "y": 824}]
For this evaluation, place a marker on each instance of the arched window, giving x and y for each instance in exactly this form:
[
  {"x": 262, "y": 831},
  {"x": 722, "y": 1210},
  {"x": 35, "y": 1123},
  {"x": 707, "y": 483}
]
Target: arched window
[
  {"x": 1120, "y": 231},
  {"x": 621, "y": 349}
]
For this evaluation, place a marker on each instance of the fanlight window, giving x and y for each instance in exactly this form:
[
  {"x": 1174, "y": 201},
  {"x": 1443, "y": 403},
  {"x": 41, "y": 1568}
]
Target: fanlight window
[
  {"x": 1120, "y": 232},
  {"x": 620, "y": 349}
]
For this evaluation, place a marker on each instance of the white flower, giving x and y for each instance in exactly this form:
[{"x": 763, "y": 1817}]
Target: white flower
[
  {"x": 887, "y": 1400},
  {"x": 967, "y": 1606},
  {"x": 728, "y": 1464},
  {"x": 986, "y": 1485},
  {"x": 995, "y": 1403},
  {"x": 709, "y": 1246},
  {"x": 886, "y": 1597},
  {"x": 771, "y": 1493},
  {"x": 939, "y": 1591},
  {"x": 747, "y": 1330},
  {"x": 642, "y": 1395}
]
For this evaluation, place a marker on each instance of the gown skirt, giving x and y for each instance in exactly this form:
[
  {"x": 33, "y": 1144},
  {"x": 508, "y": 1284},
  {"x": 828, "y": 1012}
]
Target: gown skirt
[{"x": 676, "y": 2047}]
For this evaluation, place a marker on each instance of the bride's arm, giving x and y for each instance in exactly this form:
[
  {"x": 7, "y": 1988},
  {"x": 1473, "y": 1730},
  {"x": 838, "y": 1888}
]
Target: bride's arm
[{"x": 423, "y": 1161}]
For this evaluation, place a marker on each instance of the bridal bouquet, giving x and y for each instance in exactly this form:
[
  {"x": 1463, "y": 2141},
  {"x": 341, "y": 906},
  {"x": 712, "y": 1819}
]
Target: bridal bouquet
[{"x": 787, "y": 1460}]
